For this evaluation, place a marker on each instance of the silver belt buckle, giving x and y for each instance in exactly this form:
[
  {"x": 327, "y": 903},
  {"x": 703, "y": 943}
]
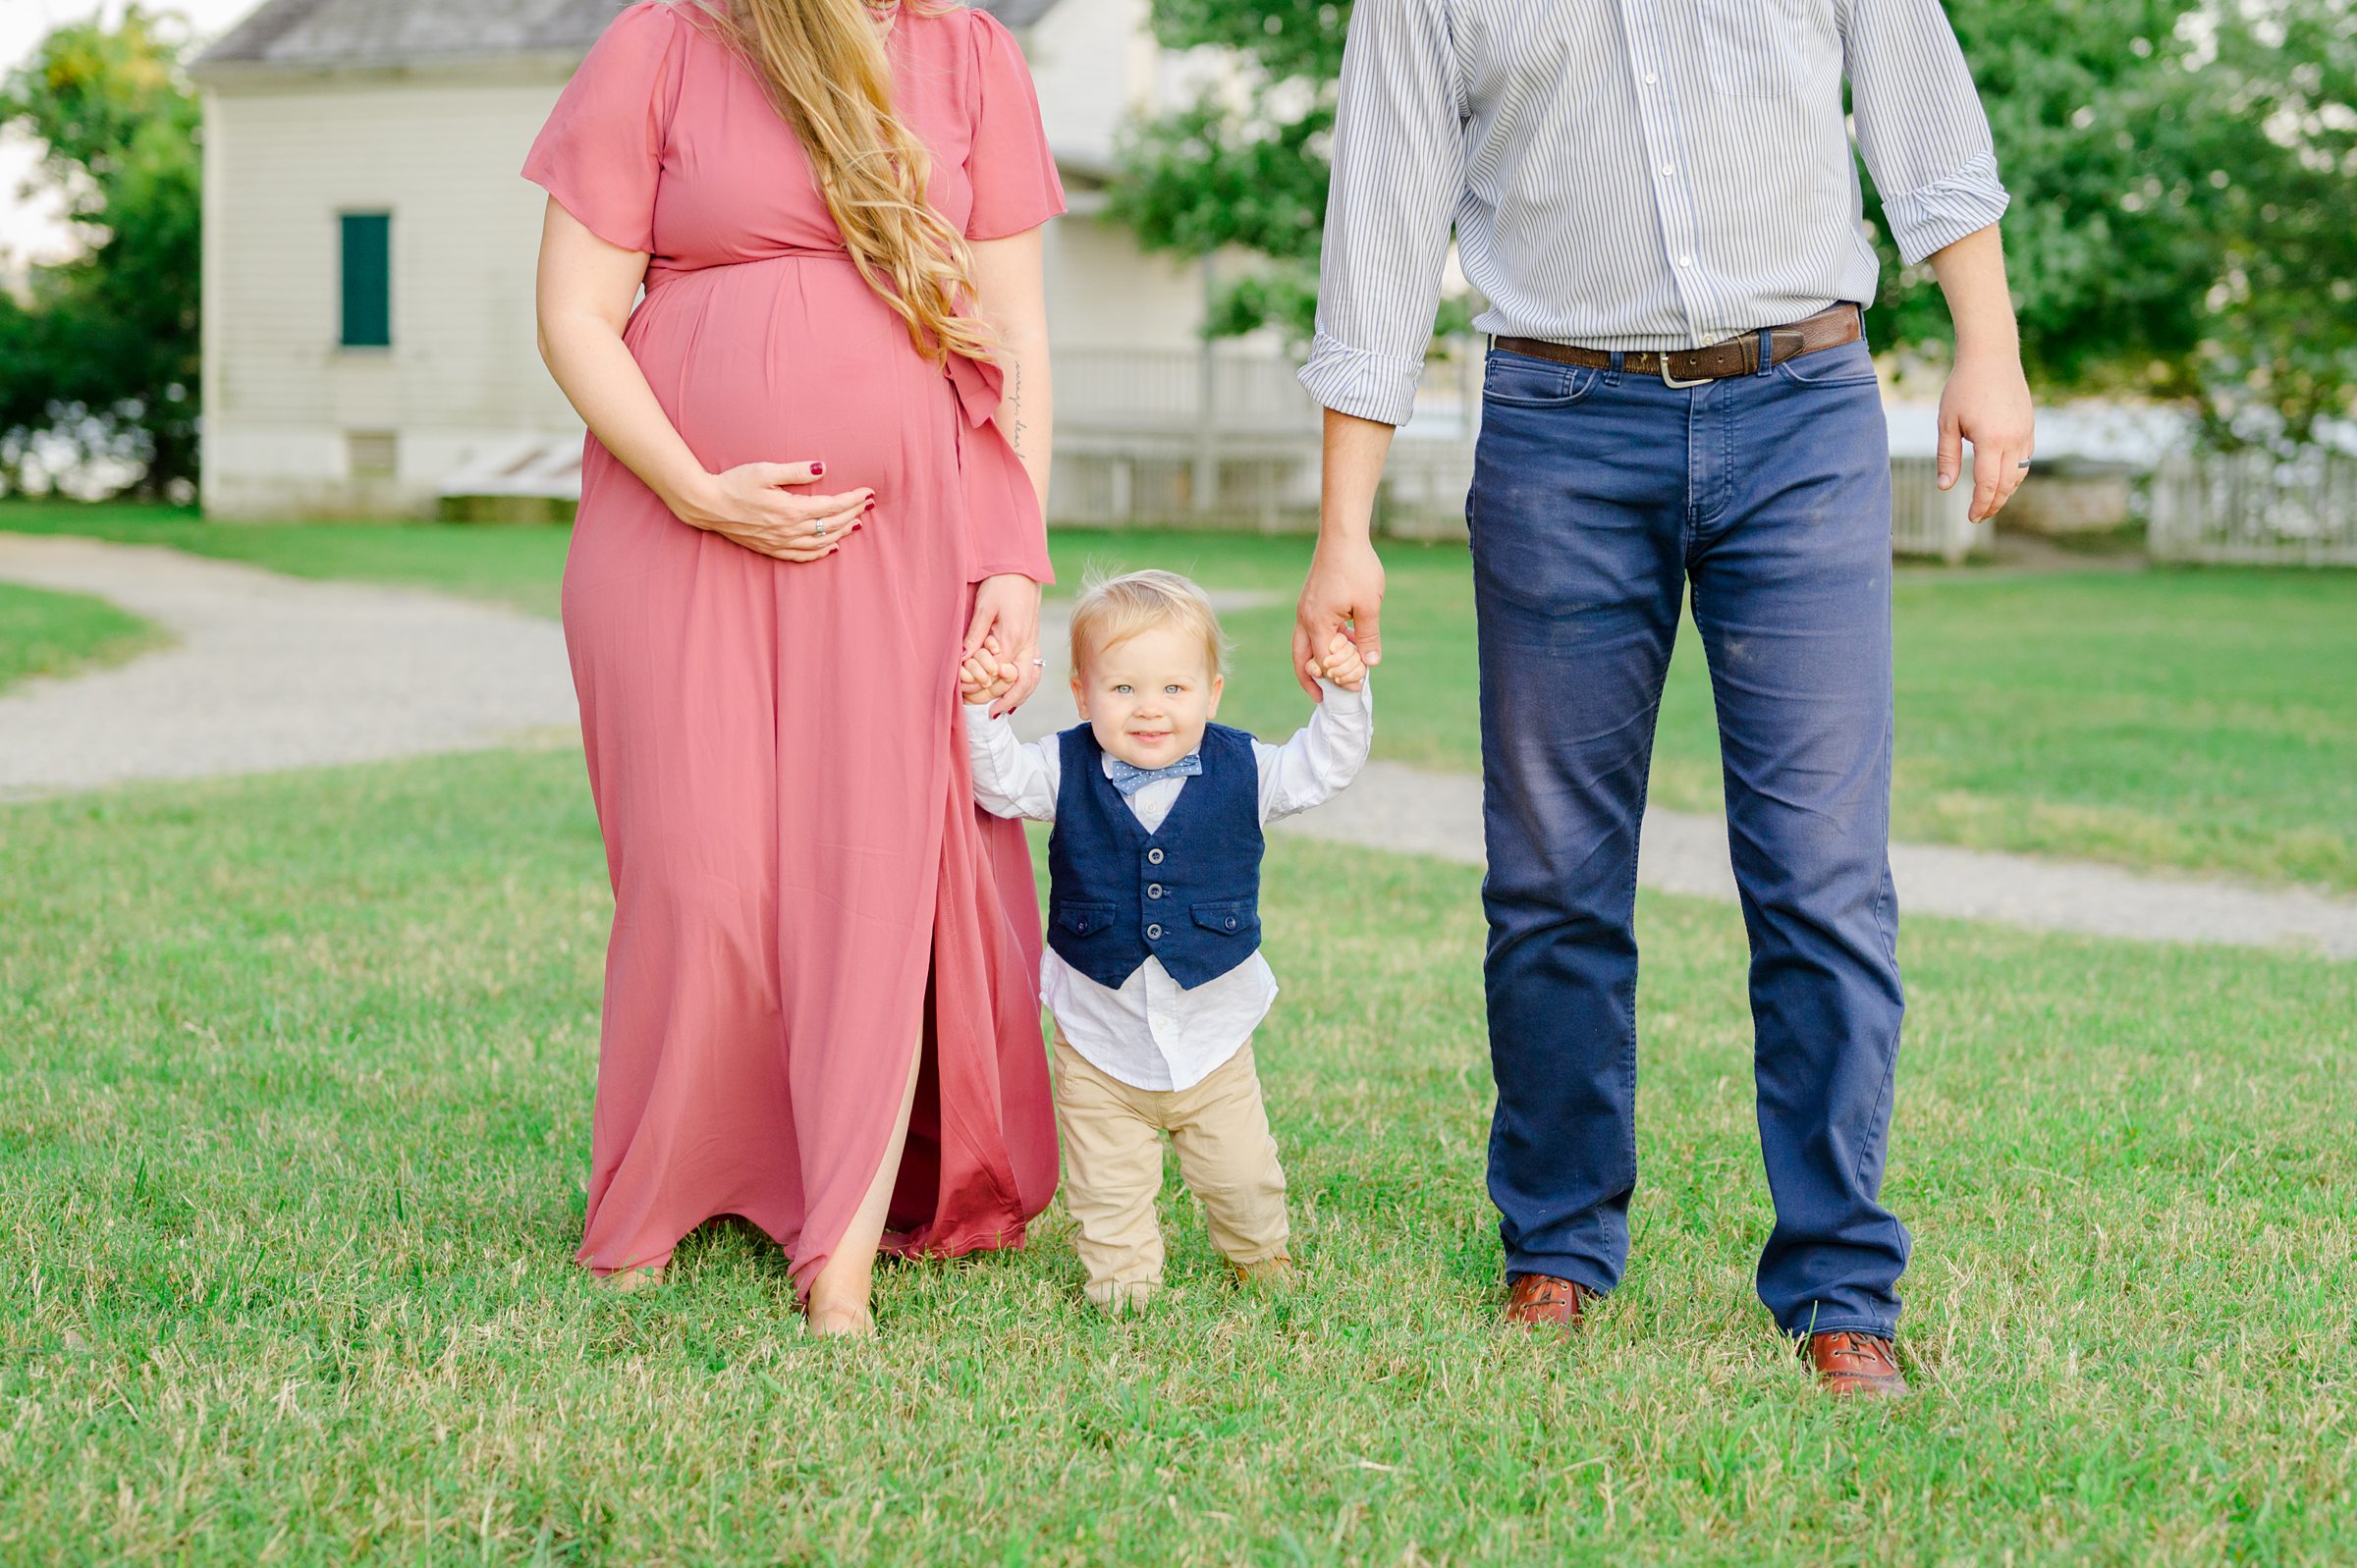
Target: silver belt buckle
[{"x": 1671, "y": 382}]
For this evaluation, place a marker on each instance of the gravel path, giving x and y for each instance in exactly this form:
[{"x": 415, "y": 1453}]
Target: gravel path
[
  {"x": 272, "y": 672},
  {"x": 268, "y": 671}
]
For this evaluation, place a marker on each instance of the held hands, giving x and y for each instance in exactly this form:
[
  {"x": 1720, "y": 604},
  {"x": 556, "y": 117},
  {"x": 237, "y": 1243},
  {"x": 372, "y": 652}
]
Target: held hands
[
  {"x": 1340, "y": 663},
  {"x": 1342, "y": 597},
  {"x": 754, "y": 504},
  {"x": 1005, "y": 633},
  {"x": 987, "y": 675}
]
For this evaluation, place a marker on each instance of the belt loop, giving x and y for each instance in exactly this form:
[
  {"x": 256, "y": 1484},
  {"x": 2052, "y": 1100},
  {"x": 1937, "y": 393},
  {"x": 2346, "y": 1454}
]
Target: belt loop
[
  {"x": 1612, "y": 377},
  {"x": 1767, "y": 350}
]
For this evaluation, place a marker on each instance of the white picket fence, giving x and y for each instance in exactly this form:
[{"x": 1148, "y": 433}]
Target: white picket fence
[{"x": 2256, "y": 509}]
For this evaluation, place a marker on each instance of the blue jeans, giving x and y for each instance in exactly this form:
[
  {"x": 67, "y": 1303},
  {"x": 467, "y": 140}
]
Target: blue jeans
[{"x": 1598, "y": 496}]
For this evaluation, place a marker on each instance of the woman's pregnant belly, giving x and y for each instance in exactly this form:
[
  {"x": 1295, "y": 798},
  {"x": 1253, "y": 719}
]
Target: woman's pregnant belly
[{"x": 795, "y": 360}]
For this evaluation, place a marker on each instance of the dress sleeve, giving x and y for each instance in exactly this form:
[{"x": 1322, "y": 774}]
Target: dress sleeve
[
  {"x": 1010, "y": 168},
  {"x": 601, "y": 151}
]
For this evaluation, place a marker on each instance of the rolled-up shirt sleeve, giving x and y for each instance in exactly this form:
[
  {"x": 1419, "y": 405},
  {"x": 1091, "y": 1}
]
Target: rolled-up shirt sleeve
[
  {"x": 1398, "y": 174},
  {"x": 1919, "y": 124}
]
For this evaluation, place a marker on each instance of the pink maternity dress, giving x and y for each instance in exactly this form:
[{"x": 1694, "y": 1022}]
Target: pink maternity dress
[{"x": 805, "y": 893}]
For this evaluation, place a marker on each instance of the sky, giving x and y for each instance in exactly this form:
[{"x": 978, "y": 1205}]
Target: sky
[{"x": 30, "y": 230}]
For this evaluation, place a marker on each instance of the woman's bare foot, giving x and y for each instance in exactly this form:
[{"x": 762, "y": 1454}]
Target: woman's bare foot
[
  {"x": 622, "y": 1281},
  {"x": 839, "y": 1297},
  {"x": 843, "y": 1323}
]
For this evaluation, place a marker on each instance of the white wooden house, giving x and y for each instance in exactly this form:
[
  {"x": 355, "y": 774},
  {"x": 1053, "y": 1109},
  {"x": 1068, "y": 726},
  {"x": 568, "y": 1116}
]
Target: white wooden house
[{"x": 368, "y": 243}]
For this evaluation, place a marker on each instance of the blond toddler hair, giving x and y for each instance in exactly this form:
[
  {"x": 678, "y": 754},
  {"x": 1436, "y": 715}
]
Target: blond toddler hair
[{"x": 1112, "y": 609}]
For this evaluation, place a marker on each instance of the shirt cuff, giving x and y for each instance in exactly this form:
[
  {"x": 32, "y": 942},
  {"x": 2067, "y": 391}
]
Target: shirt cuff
[
  {"x": 1360, "y": 701},
  {"x": 1373, "y": 385},
  {"x": 1938, "y": 215}
]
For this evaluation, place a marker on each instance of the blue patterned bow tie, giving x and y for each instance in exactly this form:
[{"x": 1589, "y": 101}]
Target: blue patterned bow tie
[{"x": 1130, "y": 779}]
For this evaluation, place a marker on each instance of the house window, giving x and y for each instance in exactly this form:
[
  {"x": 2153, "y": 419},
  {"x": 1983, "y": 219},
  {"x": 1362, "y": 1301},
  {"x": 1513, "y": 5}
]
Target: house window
[{"x": 367, "y": 280}]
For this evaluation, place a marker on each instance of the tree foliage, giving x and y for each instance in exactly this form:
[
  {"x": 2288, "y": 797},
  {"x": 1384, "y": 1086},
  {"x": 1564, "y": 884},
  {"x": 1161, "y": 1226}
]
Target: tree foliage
[
  {"x": 2184, "y": 182},
  {"x": 104, "y": 354}
]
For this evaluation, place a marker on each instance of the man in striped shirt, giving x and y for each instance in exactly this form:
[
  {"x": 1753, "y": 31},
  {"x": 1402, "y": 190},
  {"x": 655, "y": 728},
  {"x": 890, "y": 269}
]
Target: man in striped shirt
[{"x": 1658, "y": 202}]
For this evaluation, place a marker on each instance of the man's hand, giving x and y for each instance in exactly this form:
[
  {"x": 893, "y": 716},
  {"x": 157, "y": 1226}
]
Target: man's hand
[
  {"x": 1986, "y": 402},
  {"x": 1344, "y": 594}
]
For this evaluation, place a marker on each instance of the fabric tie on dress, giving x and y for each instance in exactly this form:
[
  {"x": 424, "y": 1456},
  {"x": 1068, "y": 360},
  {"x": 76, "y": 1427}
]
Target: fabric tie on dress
[
  {"x": 1130, "y": 779},
  {"x": 979, "y": 384}
]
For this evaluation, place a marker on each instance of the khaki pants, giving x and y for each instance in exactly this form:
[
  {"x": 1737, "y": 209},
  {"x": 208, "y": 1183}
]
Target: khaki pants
[{"x": 1113, "y": 1170}]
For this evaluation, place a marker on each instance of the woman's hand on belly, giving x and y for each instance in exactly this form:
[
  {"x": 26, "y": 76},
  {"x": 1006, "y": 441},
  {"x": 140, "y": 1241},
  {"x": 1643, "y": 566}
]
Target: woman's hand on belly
[{"x": 754, "y": 504}]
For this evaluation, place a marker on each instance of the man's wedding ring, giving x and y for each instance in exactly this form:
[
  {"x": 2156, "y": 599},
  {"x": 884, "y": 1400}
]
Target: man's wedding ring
[{"x": 2024, "y": 463}]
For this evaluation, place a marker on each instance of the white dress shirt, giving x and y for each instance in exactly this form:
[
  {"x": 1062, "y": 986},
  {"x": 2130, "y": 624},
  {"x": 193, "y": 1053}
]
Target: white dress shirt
[
  {"x": 1630, "y": 174},
  {"x": 1152, "y": 1033}
]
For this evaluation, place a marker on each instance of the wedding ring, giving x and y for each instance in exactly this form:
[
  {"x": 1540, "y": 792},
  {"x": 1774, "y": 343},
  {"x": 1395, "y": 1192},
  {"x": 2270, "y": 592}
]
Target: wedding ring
[
  {"x": 2024, "y": 463},
  {"x": 822, "y": 530},
  {"x": 1041, "y": 663}
]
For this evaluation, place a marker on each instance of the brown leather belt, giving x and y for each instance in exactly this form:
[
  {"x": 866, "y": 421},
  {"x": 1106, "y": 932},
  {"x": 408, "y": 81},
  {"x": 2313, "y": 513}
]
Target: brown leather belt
[{"x": 1828, "y": 328}]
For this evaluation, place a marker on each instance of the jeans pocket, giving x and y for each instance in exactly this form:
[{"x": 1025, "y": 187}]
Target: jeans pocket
[
  {"x": 1522, "y": 381},
  {"x": 1849, "y": 365},
  {"x": 1757, "y": 48}
]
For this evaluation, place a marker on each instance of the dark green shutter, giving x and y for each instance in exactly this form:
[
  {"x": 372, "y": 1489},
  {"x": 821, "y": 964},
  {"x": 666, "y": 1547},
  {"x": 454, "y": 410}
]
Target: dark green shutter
[{"x": 367, "y": 280}]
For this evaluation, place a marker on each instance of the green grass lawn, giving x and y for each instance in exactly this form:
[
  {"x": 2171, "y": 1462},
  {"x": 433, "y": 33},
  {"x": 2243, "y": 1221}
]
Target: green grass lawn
[
  {"x": 2198, "y": 719},
  {"x": 299, "y": 1076},
  {"x": 46, "y": 634}
]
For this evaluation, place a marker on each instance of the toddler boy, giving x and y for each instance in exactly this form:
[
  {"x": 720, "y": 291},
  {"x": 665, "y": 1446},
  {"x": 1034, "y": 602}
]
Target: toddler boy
[{"x": 1153, "y": 969}]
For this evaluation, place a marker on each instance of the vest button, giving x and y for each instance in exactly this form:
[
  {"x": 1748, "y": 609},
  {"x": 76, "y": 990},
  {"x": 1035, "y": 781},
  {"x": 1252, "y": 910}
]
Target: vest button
[
  {"x": 1154, "y": 891},
  {"x": 1154, "y": 857},
  {"x": 1231, "y": 922},
  {"x": 1153, "y": 933}
]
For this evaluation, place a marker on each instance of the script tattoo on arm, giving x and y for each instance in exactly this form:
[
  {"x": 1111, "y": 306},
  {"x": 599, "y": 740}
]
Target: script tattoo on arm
[{"x": 1016, "y": 426}]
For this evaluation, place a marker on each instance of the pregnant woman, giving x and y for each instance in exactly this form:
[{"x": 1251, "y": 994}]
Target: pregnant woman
[{"x": 820, "y": 1011}]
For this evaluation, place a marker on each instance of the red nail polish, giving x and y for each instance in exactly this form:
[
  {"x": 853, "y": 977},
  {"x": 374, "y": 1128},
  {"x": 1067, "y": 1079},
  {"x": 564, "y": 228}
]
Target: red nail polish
[{"x": 817, "y": 468}]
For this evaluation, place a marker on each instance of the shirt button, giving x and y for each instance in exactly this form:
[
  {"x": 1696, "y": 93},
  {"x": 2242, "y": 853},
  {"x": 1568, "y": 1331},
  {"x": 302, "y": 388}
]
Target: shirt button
[
  {"x": 1667, "y": 170},
  {"x": 1685, "y": 261},
  {"x": 1651, "y": 78},
  {"x": 1154, "y": 891},
  {"x": 1154, "y": 857},
  {"x": 1153, "y": 933}
]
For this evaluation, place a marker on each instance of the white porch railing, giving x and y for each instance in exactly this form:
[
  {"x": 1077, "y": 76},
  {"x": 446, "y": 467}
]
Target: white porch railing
[
  {"x": 1178, "y": 436},
  {"x": 2256, "y": 509}
]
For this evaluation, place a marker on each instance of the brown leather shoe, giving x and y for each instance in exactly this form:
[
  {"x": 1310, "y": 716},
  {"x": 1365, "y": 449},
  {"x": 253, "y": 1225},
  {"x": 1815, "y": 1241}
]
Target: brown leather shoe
[
  {"x": 1849, "y": 1363},
  {"x": 1536, "y": 1302}
]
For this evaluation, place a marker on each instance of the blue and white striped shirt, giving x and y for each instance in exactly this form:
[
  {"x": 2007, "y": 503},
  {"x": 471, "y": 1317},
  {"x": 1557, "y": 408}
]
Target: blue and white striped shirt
[{"x": 1629, "y": 174}]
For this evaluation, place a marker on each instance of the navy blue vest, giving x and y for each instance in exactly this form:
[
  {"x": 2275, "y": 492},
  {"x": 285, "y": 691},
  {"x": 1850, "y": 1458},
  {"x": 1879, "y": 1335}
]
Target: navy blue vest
[{"x": 1187, "y": 893}]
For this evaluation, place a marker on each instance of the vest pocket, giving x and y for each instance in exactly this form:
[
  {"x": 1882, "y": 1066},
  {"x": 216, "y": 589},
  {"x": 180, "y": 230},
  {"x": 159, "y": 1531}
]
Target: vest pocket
[
  {"x": 1235, "y": 917},
  {"x": 1083, "y": 919}
]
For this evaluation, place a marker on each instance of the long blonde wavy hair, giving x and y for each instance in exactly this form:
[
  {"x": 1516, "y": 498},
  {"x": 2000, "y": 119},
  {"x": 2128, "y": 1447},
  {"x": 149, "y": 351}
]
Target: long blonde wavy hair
[{"x": 823, "y": 63}]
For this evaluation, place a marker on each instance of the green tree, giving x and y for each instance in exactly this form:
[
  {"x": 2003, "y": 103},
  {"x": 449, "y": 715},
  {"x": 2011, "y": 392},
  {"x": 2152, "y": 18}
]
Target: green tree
[
  {"x": 103, "y": 354},
  {"x": 2182, "y": 181}
]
